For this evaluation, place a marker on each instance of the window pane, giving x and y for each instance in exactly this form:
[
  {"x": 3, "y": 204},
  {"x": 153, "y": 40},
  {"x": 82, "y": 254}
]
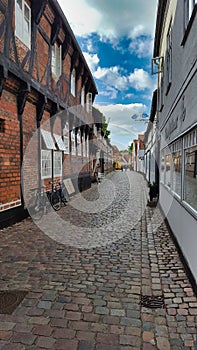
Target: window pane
[
  {"x": 162, "y": 167},
  {"x": 176, "y": 174},
  {"x": 190, "y": 191},
  {"x": 46, "y": 163},
  {"x": 19, "y": 18},
  {"x": 57, "y": 163},
  {"x": 168, "y": 171},
  {"x": 72, "y": 82}
]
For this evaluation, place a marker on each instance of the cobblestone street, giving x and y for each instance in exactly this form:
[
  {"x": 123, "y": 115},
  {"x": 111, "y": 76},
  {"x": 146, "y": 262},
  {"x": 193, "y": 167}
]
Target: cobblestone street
[{"x": 85, "y": 277}]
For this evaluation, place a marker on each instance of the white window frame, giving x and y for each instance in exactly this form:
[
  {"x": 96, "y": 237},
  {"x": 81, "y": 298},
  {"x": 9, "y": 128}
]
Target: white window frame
[
  {"x": 73, "y": 82},
  {"x": 57, "y": 163},
  {"x": 56, "y": 60},
  {"x": 46, "y": 156},
  {"x": 20, "y": 23}
]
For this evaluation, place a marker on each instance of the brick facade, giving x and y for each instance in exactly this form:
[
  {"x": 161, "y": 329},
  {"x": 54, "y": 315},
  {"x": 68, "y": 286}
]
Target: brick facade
[{"x": 31, "y": 95}]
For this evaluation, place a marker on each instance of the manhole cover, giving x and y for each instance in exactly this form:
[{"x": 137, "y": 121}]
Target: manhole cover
[
  {"x": 9, "y": 300},
  {"x": 152, "y": 302}
]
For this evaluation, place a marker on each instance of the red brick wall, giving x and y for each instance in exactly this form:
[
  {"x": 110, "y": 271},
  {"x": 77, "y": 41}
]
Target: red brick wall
[{"x": 9, "y": 150}]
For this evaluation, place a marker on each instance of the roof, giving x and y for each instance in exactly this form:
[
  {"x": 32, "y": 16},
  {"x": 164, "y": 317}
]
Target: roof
[{"x": 57, "y": 7}]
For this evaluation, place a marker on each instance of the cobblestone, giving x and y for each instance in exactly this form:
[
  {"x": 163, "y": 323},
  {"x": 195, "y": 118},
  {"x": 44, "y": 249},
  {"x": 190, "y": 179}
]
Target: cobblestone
[{"x": 85, "y": 294}]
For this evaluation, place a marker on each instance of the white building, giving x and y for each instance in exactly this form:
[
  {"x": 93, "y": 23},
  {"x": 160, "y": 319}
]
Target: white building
[{"x": 175, "y": 61}]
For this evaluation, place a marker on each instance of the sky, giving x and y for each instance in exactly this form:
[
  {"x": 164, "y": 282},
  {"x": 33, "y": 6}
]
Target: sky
[{"x": 116, "y": 38}]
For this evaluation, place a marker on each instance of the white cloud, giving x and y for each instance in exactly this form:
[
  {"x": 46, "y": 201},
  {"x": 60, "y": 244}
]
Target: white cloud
[
  {"x": 92, "y": 61},
  {"x": 123, "y": 128},
  {"x": 112, "y": 76},
  {"x": 111, "y": 19},
  {"x": 141, "y": 47},
  {"x": 140, "y": 80},
  {"x": 109, "y": 92}
]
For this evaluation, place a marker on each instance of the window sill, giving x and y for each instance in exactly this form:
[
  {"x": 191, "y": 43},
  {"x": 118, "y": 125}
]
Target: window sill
[{"x": 187, "y": 31}]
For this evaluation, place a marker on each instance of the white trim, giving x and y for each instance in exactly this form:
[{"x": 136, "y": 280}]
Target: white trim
[
  {"x": 60, "y": 142},
  {"x": 48, "y": 139},
  {"x": 44, "y": 162},
  {"x": 21, "y": 22}
]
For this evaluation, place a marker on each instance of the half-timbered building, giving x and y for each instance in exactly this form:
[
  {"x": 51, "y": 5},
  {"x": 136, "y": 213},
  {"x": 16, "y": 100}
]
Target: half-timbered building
[{"x": 46, "y": 96}]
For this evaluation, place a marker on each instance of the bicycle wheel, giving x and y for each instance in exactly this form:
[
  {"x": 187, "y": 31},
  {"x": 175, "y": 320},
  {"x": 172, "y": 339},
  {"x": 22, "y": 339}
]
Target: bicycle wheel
[
  {"x": 55, "y": 201},
  {"x": 35, "y": 208}
]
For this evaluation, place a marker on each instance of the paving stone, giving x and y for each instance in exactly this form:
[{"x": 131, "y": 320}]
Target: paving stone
[
  {"x": 45, "y": 342},
  {"x": 89, "y": 298}
]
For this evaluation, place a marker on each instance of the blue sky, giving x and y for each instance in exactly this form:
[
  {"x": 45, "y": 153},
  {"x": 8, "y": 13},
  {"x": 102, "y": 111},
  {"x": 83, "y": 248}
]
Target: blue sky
[{"x": 116, "y": 38}]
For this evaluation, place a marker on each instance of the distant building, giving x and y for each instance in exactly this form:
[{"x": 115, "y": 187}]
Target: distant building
[
  {"x": 138, "y": 154},
  {"x": 175, "y": 62}
]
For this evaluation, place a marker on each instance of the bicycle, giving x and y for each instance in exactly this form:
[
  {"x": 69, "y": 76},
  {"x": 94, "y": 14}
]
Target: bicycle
[
  {"x": 63, "y": 194},
  {"x": 41, "y": 201}
]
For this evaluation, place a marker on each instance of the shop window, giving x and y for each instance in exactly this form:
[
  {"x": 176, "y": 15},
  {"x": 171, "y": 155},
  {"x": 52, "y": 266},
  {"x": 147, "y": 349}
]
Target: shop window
[
  {"x": 56, "y": 62},
  {"x": 23, "y": 22},
  {"x": 168, "y": 170},
  {"x": 190, "y": 190},
  {"x": 57, "y": 163},
  {"x": 46, "y": 164},
  {"x": 176, "y": 172}
]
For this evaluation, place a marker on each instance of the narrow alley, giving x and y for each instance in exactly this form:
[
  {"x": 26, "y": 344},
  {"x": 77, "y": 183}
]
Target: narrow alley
[{"x": 102, "y": 274}]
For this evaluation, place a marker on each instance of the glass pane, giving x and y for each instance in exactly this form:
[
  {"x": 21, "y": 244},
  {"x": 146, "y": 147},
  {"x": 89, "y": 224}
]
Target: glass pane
[
  {"x": 176, "y": 174},
  {"x": 191, "y": 177},
  {"x": 19, "y": 17},
  {"x": 168, "y": 171},
  {"x": 162, "y": 168}
]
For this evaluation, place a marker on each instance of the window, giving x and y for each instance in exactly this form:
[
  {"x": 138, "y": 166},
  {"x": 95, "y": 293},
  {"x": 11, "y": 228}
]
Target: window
[
  {"x": 73, "y": 143},
  {"x": 57, "y": 163},
  {"x": 23, "y": 22},
  {"x": 83, "y": 96},
  {"x": 73, "y": 82},
  {"x": 190, "y": 169},
  {"x": 66, "y": 138},
  {"x": 161, "y": 92},
  {"x": 169, "y": 57},
  {"x": 46, "y": 164},
  {"x": 168, "y": 170},
  {"x": 84, "y": 145},
  {"x": 89, "y": 102},
  {"x": 56, "y": 62},
  {"x": 79, "y": 143},
  {"x": 176, "y": 167},
  {"x": 188, "y": 9}
]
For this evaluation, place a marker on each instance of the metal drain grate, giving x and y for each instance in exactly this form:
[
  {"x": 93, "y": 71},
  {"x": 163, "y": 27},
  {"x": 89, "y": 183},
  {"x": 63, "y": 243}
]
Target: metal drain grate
[
  {"x": 9, "y": 300},
  {"x": 152, "y": 302}
]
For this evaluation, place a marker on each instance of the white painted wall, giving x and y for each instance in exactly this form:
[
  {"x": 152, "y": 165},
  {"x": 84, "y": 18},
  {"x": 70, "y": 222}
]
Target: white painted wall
[{"x": 184, "y": 227}]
